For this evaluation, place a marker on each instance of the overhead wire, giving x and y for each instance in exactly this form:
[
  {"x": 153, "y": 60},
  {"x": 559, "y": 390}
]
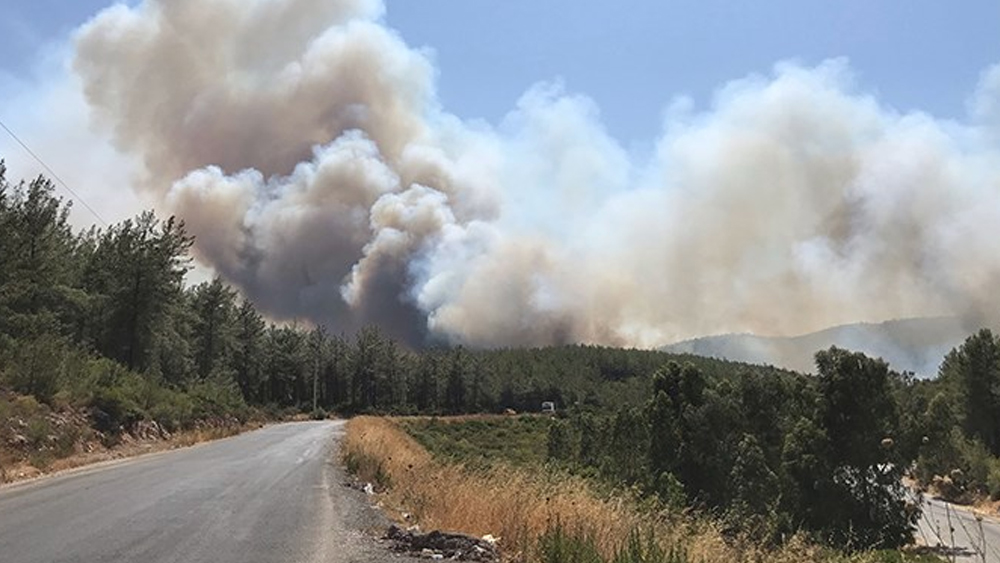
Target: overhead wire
[{"x": 58, "y": 179}]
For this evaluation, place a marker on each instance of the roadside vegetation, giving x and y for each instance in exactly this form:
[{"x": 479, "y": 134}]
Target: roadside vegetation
[
  {"x": 544, "y": 513},
  {"x": 765, "y": 456},
  {"x": 482, "y": 441}
]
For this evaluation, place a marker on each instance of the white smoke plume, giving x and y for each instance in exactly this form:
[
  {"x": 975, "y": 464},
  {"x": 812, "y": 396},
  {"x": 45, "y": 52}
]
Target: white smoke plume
[{"x": 303, "y": 143}]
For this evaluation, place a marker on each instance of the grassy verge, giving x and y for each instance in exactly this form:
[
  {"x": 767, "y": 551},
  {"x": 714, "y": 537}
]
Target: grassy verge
[{"x": 541, "y": 515}]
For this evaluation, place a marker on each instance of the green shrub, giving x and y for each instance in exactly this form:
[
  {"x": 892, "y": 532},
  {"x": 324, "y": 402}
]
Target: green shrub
[
  {"x": 41, "y": 459},
  {"x": 643, "y": 548},
  {"x": 36, "y": 367},
  {"x": 172, "y": 410},
  {"x": 521, "y": 440},
  {"x": 38, "y": 432},
  {"x": 218, "y": 397},
  {"x": 113, "y": 411},
  {"x": 557, "y": 545},
  {"x": 670, "y": 490}
]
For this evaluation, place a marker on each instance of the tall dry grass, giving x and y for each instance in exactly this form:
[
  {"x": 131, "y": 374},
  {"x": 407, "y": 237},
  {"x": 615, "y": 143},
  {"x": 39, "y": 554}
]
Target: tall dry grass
[{"x": 520, "y": 505}]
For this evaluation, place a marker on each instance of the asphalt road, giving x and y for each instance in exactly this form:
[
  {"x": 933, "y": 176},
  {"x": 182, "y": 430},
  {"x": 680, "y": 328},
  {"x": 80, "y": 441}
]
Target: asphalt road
[
  {"x": 958, "y": 532},
  {"x": 274, "y": 495}
]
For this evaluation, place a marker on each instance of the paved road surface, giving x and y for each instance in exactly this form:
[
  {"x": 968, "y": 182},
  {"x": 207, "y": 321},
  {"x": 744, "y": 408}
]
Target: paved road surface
[
  {"x": 273, "y": 495},
  {"x": 972, "y": 538}
]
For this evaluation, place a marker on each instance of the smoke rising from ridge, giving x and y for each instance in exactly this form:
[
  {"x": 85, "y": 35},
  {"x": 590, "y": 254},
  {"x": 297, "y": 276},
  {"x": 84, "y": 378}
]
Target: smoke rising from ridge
[{"x": 302, "y": 142}]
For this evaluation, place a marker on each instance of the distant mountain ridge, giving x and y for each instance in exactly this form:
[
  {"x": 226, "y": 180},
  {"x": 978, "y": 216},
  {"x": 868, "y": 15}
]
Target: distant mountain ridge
[{"x": 917, "y": 345}]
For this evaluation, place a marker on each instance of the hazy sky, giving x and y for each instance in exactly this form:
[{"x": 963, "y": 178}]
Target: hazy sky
[
  {"x": 849, "y": 151},
  {"x": 632, "y": 57}
]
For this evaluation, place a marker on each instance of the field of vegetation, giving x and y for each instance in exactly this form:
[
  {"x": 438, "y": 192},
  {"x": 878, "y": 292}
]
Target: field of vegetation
[
  {"x": 482, "y": 441},
  {"x": 543, "y": 512}
]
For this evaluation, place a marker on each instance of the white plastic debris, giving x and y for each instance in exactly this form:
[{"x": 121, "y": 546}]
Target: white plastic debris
[
  {"x": 369, "y": 489},
  {"x": 490, "y": 539}
]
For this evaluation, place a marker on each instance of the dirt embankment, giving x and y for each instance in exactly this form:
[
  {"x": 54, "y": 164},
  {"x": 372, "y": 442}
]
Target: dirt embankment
[{"x": 36, "y": 439}]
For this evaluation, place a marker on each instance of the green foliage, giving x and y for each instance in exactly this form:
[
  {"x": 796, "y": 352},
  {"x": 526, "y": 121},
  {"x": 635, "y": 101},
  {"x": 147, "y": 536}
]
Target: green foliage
[
  {"x": 455, "y": 387},
  {"x": 114, "y": 411},
  {"x": 959, "y": 437},
  {"x": 248, "y": 354},
  {"x": 778, "y": 456},
  {"x": 36, "y": 366},
  {"x": 755, "y": 487},
  {"x": 669, "y": 490},
  {"x": 483, "y": 441},
  {"x": 558, "y": 545},
  {"x": 559, "y": 445},
  {"x": 173, "y": 410},
  {"x": 136, "y": 270},
  {"x": 218, "y": 397},
  {"x": 213, "y": 328},
  {"x": 864, "y": 497},
  {"x": 974, "y": 370},
  {"x": 31, "y": 431},
  {"x": 642, "y": 548}
]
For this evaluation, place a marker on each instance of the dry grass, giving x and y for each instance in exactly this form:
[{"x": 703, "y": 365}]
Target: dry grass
[{"x": 520, "y": 505}]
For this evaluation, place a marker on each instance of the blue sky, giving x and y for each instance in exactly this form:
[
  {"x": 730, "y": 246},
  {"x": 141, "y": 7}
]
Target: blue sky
[{"x": 633, "y": 57}]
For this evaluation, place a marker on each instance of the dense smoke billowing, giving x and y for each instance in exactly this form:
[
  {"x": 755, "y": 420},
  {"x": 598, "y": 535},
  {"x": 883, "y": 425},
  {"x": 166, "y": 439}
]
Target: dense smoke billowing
[{"x": 302, "y": 142}]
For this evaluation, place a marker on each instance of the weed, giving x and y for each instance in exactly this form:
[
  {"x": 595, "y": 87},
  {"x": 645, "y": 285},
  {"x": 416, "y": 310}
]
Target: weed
[{"x": 558, "y": 546}]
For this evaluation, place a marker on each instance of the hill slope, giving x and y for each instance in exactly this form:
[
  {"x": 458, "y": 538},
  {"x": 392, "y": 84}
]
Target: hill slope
[{"x": 916, "y": 345}]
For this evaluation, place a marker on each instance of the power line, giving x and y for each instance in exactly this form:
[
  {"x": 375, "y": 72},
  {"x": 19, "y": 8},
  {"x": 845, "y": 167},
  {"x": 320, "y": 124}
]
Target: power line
[{"x": 53, "y": 174}]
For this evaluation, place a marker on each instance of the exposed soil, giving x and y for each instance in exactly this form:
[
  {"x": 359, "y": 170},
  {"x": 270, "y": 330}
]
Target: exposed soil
[{"x": 36, "y": 440}]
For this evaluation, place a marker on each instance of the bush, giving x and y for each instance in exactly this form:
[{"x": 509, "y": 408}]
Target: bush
[
  {"x": 36, "y": 367},
  {"x": 967, "y": 471},
  {"x": 319, "y": 414},
  {"x": 670, "y": 490},
  {"x": 556, "y": 545},
  {"x": 112, "y": 411},
  {"x": 172, "y": 410},
  {"x": 218, "y": 397}
]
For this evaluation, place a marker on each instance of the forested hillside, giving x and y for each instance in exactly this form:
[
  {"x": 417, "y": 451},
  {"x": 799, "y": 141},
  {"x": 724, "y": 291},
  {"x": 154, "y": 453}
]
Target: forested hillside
[{"x": 103, "y": 319}]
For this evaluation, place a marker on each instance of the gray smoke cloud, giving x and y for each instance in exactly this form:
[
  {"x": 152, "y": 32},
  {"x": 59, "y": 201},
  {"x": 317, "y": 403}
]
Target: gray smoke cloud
[{"x": 303, "y": 143}]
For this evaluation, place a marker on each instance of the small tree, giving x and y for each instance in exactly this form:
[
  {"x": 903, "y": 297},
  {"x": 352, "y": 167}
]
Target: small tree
[{"x": 864, "y": 497}]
